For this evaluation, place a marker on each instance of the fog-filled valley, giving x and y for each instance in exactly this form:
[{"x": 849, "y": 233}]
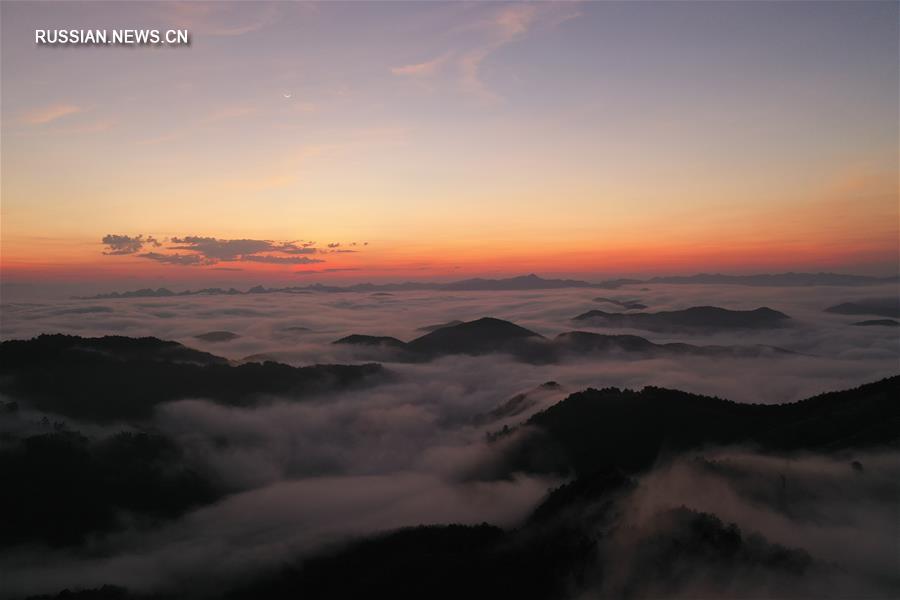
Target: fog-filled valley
[{"x": 567, "y": 442}]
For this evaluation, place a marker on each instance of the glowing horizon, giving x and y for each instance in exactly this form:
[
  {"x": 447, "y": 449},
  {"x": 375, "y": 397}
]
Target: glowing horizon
[{"x": 445, "y": 140}]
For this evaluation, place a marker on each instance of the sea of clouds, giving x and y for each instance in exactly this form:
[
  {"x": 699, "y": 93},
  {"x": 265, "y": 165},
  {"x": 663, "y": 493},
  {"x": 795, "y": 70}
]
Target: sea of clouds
[{"x": 409, "y": 450}]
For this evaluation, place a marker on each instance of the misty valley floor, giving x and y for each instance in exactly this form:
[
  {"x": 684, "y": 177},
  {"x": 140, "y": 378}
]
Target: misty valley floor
[{"x": 576, "y": 443}]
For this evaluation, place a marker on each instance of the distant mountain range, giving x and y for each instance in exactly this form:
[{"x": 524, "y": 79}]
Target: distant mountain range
[
  {"x": 702, "y": 318},
  {"x": 521, "y": 283},
  {"x": 489, "y": 335},
  {"x": 525, "y": 282},
  {"x": 779, "y": 279}
]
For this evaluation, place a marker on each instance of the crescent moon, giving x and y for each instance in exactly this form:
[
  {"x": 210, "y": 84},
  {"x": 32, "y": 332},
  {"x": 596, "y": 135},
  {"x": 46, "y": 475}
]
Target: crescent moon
[{"x": 287, "y": 95}]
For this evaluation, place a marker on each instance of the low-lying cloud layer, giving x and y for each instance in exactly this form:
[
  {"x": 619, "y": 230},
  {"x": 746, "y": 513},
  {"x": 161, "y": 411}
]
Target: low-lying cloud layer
[
  {"x": 299, "y": 328},
  {"x": 815, "y": 504},
  {"x": 413, "y": 448}
]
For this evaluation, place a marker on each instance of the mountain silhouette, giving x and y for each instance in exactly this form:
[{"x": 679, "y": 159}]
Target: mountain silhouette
[
  {"x": 58, "y": 347},
  {"x": 523, "y": 282},
  {"x": 584, "y": 342},
  {"x": 628, "y": 430},
  {"x": 491, "y": 335},
  {"x": 60, "y": 486},
  {"x": 571, "y": 541},
  {"x": 777, "y": 280},
  {"x": 429, "y": 328},
  {"x": 882, "y": 307},
  {"x": 520, "y": 283},
  {"x": 371, "y": 340},
  {"x": 626, "y": 304},
  {"x": 878, "y": 323},
  {"x": 481, "y": 336},
  {"x": 696, "y": 318},
  {"x": 117, "y": 378}
]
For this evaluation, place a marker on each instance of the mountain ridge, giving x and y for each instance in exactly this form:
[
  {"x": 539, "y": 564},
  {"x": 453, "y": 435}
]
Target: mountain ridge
[
  {"x": 520, "y": 283},
  {"x": 491, "y": 335},
  {"x": 693, "y": 318},
  {"x": 613, "y": 428},
  {"x": 115, "y": 378}
]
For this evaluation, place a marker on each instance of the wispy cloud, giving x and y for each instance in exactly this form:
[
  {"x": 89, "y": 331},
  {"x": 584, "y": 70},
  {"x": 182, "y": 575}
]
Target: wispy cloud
[
  {"x": 423, "y": 69},
  {"x": 507, "y": 25},
  {"x": 500, "y": 27},
  {"x": 515, "y": 19},
  {"x": 47, "y": 114}
]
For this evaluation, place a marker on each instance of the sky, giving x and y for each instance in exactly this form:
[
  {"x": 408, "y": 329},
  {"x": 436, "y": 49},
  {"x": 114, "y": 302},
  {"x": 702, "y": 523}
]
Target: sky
[{"x": 300, "y": 142}]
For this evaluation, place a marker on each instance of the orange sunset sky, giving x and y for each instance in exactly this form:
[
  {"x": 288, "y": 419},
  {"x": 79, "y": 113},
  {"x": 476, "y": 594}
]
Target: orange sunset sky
[{"x": 386, "y": 141}]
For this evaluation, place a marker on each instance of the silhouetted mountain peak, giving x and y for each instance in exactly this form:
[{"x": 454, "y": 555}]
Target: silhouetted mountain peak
[
  {"x": 493, "y": 326},
  {"x": 487, "y": 335},
  {"x": 480, "y": 336},
  {"x": 430, "y": 328},
  {"x": 371, "y": 340}
]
